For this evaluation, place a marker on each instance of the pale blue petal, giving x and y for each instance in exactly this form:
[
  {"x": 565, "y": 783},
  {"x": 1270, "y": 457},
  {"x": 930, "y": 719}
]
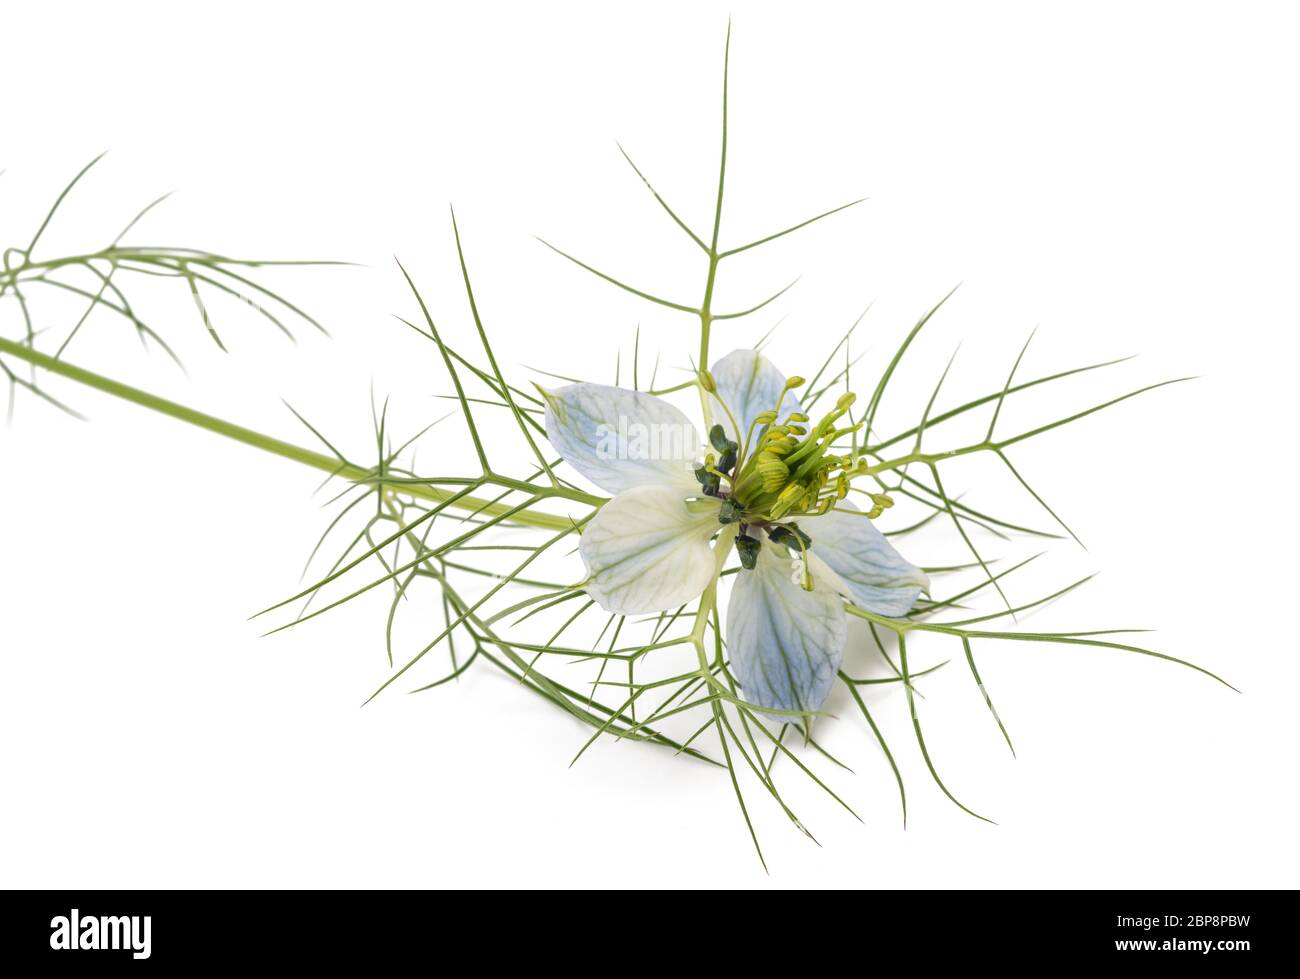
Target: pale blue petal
[
  {"x": 785, "y": 644},
  {"x": 619, "y": 438},
  {"x": 749, "y": 385},
  {"x": 874, "y": 575},
  {"x": 647, "y": 550}
]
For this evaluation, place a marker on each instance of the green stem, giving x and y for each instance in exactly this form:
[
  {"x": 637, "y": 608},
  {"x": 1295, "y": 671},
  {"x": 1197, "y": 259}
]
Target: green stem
[
  {"x": 120, "y": 253},
  {"x": 708, "y": 601},
  {"x": 925, "y": 458},
  {"x": 286, "y": 450},
  {"x": 706, "y": 307}
]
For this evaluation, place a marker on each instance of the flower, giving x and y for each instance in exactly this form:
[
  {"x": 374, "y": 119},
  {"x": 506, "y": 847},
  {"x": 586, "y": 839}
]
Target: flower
[{"x": 773, "y": 485}]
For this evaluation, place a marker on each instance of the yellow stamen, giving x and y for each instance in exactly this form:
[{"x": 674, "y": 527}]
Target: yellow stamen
[
  {"x": 789, "y": 498},
  {"x": 772, "y": 469}
]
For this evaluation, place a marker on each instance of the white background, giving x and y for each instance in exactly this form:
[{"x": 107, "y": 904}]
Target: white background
[{"x": 1122, "y": 175}]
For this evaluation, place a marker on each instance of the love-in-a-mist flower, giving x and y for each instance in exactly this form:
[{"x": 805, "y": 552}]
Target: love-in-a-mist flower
[{"x": 773, "y": 487}]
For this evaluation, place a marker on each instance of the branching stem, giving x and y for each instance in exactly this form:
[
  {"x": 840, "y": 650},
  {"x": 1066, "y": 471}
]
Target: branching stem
[{"x": 287, "y": 450}]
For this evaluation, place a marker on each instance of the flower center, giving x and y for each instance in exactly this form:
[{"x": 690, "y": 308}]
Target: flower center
[
  {"x": 789, "y": 468},
  {"x": 786, "y": 469}
]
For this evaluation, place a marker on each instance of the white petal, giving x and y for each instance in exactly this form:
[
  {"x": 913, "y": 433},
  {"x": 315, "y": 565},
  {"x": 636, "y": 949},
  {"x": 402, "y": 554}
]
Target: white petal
[
  {"x": 749, "y": 385},
  {"x": 873, "y": 574},
  {"x": 785, "y": 644},
  {"x": 647, "y": 550},
  {"x": 619, "y": 438}
]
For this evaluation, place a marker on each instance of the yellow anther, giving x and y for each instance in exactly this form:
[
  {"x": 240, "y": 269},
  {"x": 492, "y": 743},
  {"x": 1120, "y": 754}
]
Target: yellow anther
[
  {"x": 846, "y": 400},
  {"x": 794, "y": 382},
  {"x": 773, "y": 470},
  {"x": 780, "y": 446},
  {"x": 797, "y": 416},
  {"x": 790, "y": 497}
]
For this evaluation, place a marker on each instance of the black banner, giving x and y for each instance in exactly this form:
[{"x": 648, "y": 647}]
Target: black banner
[{"x": 141, "y": 931}]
